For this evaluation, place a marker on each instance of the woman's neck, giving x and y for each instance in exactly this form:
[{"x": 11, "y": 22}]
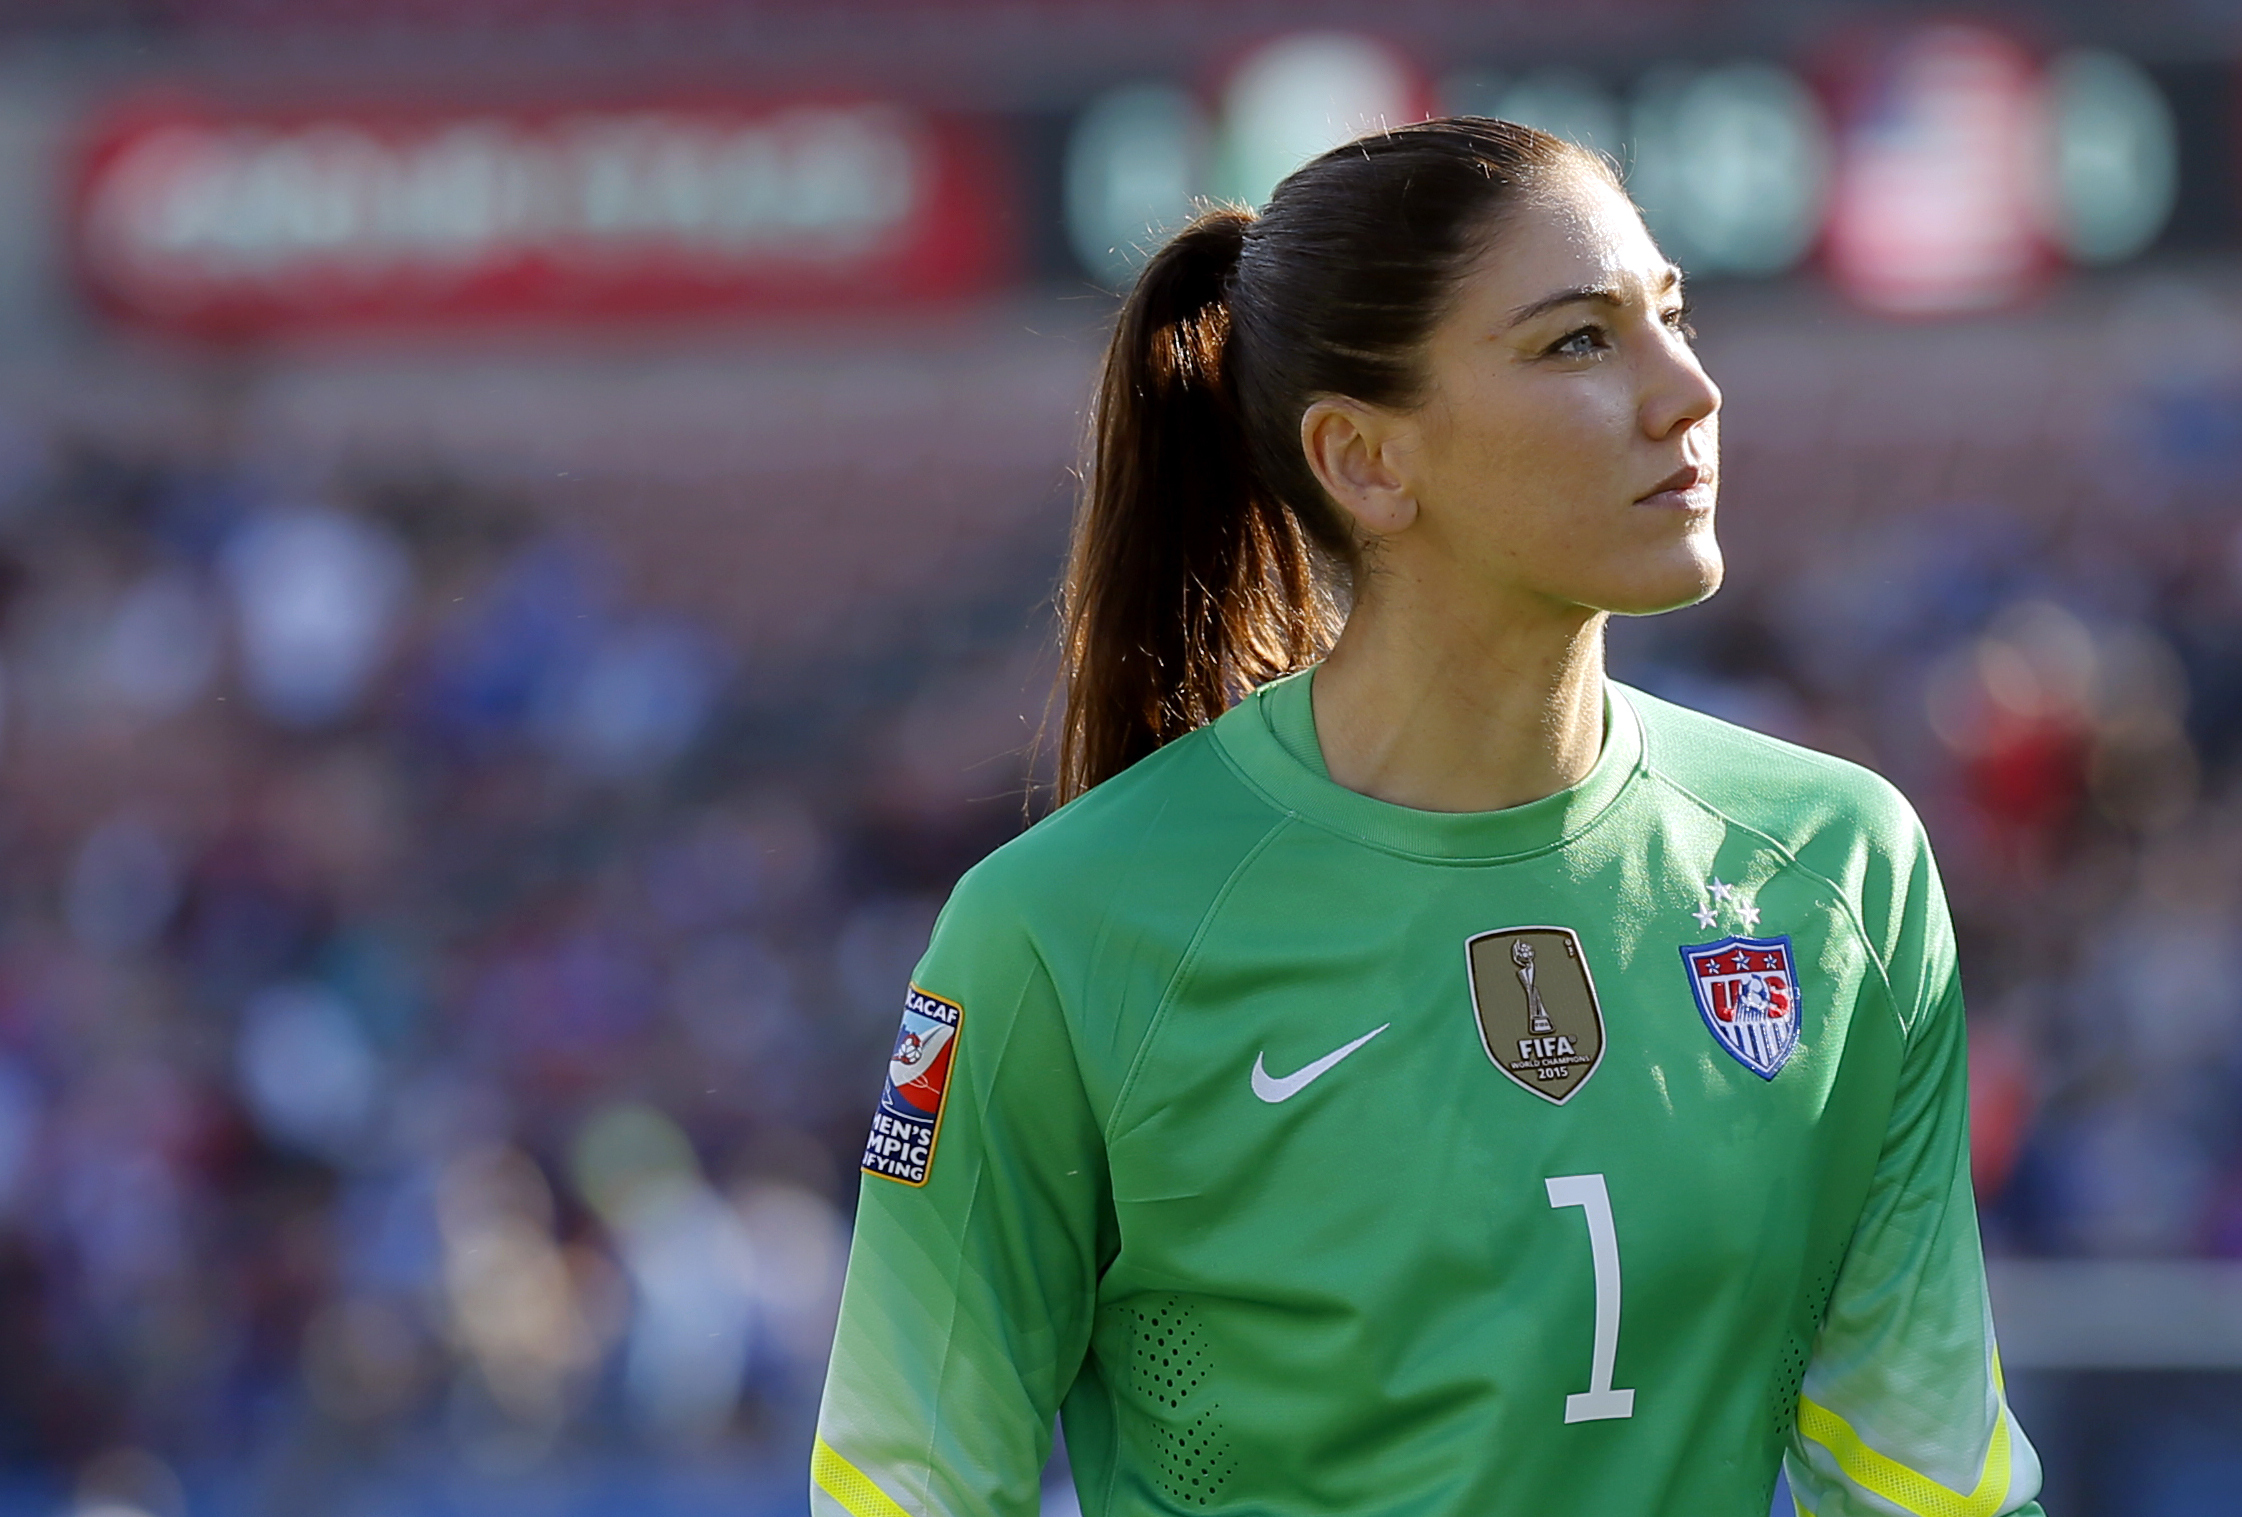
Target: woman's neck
[{"x": 1447, "y": 713}]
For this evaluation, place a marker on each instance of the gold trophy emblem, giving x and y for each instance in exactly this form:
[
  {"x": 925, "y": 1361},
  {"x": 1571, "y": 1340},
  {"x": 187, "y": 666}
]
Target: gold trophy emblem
[{"x": 1537, "y": 1015}]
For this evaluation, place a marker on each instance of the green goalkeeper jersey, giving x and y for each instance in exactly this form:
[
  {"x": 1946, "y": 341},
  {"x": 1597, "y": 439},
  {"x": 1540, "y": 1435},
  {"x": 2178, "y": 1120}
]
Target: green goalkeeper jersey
[{"x": 1321, "y": 1157}]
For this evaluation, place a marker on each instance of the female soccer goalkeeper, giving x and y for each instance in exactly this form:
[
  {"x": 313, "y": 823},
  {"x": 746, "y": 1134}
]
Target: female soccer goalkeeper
[{"x": 1441, "y": 1080}]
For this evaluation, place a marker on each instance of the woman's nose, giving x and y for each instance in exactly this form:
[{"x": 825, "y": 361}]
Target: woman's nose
[{"x": 1681, "y": 395}]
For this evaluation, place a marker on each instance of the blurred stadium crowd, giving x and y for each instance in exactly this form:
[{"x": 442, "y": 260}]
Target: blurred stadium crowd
[
  {"x": 403, "y": 1024},
  {"x": 455, "y": 897}
]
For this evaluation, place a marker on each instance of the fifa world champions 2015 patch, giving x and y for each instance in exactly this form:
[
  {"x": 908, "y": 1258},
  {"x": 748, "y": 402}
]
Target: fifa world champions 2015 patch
[
  {"x": 1747, "y": 992},
  {"x": 1536, "y": 1003},
  {"x": 909, "y": 1116}
]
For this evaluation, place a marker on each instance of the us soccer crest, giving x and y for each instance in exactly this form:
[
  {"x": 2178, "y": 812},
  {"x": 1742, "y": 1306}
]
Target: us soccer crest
[
  {"x": 1538, "y": 1017},
  {"x": 1747, "y": 992},
  {"x": 909, "y": 1116}
]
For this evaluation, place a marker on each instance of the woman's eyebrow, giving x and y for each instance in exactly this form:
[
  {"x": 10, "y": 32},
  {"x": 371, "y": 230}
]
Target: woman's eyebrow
[
  {"x": 1602, "y": 295},
  {"x": 1610, "y": 295}
]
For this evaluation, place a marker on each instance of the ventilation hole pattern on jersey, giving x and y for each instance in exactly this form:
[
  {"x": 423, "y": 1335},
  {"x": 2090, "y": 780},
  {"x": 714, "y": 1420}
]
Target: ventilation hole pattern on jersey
[
  {"x": 1168, "y": 1357},
  {"x": 1790, "y": 1373},
  {"x": 1168, "y": 1361},
  {"x": 1195, "y": 1459}
]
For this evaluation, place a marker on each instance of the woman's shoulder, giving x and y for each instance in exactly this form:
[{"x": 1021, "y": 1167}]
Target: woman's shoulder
[
  {"x": 1789, "y": 792},
  {"x": 1169, "y": 828},
  {"x": 1840, "y": 822}
]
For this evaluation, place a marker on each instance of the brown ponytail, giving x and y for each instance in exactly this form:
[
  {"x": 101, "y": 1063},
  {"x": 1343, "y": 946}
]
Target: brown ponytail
[
  {"x": 1206, "y": 559},
  {"x": 1188, "y": 582}
]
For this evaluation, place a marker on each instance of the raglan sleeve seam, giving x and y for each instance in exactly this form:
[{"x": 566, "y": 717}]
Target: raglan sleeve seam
[
  {"x": 1184, "y": 964},
  {"x": 1068, "y": 1030},
  {"x": 1908, "y": 1022}
]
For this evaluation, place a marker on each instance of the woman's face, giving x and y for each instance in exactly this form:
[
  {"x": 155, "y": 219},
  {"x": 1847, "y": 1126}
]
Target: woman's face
[{"x": 1568, "y": 445}]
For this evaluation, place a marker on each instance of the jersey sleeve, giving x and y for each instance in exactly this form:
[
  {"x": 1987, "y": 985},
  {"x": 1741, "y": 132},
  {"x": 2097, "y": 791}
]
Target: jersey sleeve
[
  {"x": 1902, "y": 1408},
  {"x": 973, "y": 1272}
]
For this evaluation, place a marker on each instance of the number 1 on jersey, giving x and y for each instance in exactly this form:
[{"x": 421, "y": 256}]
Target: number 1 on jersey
[{"x": 1599, "y": 1401}]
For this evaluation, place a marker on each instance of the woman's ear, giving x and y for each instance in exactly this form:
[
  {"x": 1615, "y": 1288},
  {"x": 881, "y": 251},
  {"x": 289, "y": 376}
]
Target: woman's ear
[{"x": 1358, "y": 453}]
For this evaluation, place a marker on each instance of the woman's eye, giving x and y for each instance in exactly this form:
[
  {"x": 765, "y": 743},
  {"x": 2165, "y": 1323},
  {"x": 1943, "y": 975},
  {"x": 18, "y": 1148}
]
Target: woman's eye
[
  {"x": 1580, "y": 344},
  {"x": 1678, "y": 320}
]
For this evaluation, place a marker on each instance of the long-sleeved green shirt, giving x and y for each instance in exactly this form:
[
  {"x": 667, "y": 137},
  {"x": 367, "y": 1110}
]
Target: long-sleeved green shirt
[{"x": 1321, "y": 1156}]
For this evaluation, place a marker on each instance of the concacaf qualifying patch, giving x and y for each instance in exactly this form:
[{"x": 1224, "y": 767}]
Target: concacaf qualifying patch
[{"x": 909, "y": 1116}]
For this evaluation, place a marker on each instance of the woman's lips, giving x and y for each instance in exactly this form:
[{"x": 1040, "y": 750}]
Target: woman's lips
[{"x": 1686, "y": 489}]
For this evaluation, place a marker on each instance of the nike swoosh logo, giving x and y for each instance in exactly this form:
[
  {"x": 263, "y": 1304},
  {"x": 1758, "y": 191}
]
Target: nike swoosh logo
[{"x": 1272, "y": 1089}]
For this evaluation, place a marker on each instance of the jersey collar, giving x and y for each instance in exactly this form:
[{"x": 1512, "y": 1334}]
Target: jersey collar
[{"x": 1271, "y": 737}]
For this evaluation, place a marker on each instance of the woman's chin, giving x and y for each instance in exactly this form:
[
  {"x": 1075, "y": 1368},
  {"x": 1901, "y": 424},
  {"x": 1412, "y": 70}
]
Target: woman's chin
[{"x": 1691, "y": 573}]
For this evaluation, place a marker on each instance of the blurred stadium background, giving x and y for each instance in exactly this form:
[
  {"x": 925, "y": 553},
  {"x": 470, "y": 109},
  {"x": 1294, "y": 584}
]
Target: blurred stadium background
[{"x": 526, "y": 529}]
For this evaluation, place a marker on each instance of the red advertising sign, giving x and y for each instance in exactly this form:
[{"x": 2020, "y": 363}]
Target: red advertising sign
[{"x": 236, "y": 223}]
